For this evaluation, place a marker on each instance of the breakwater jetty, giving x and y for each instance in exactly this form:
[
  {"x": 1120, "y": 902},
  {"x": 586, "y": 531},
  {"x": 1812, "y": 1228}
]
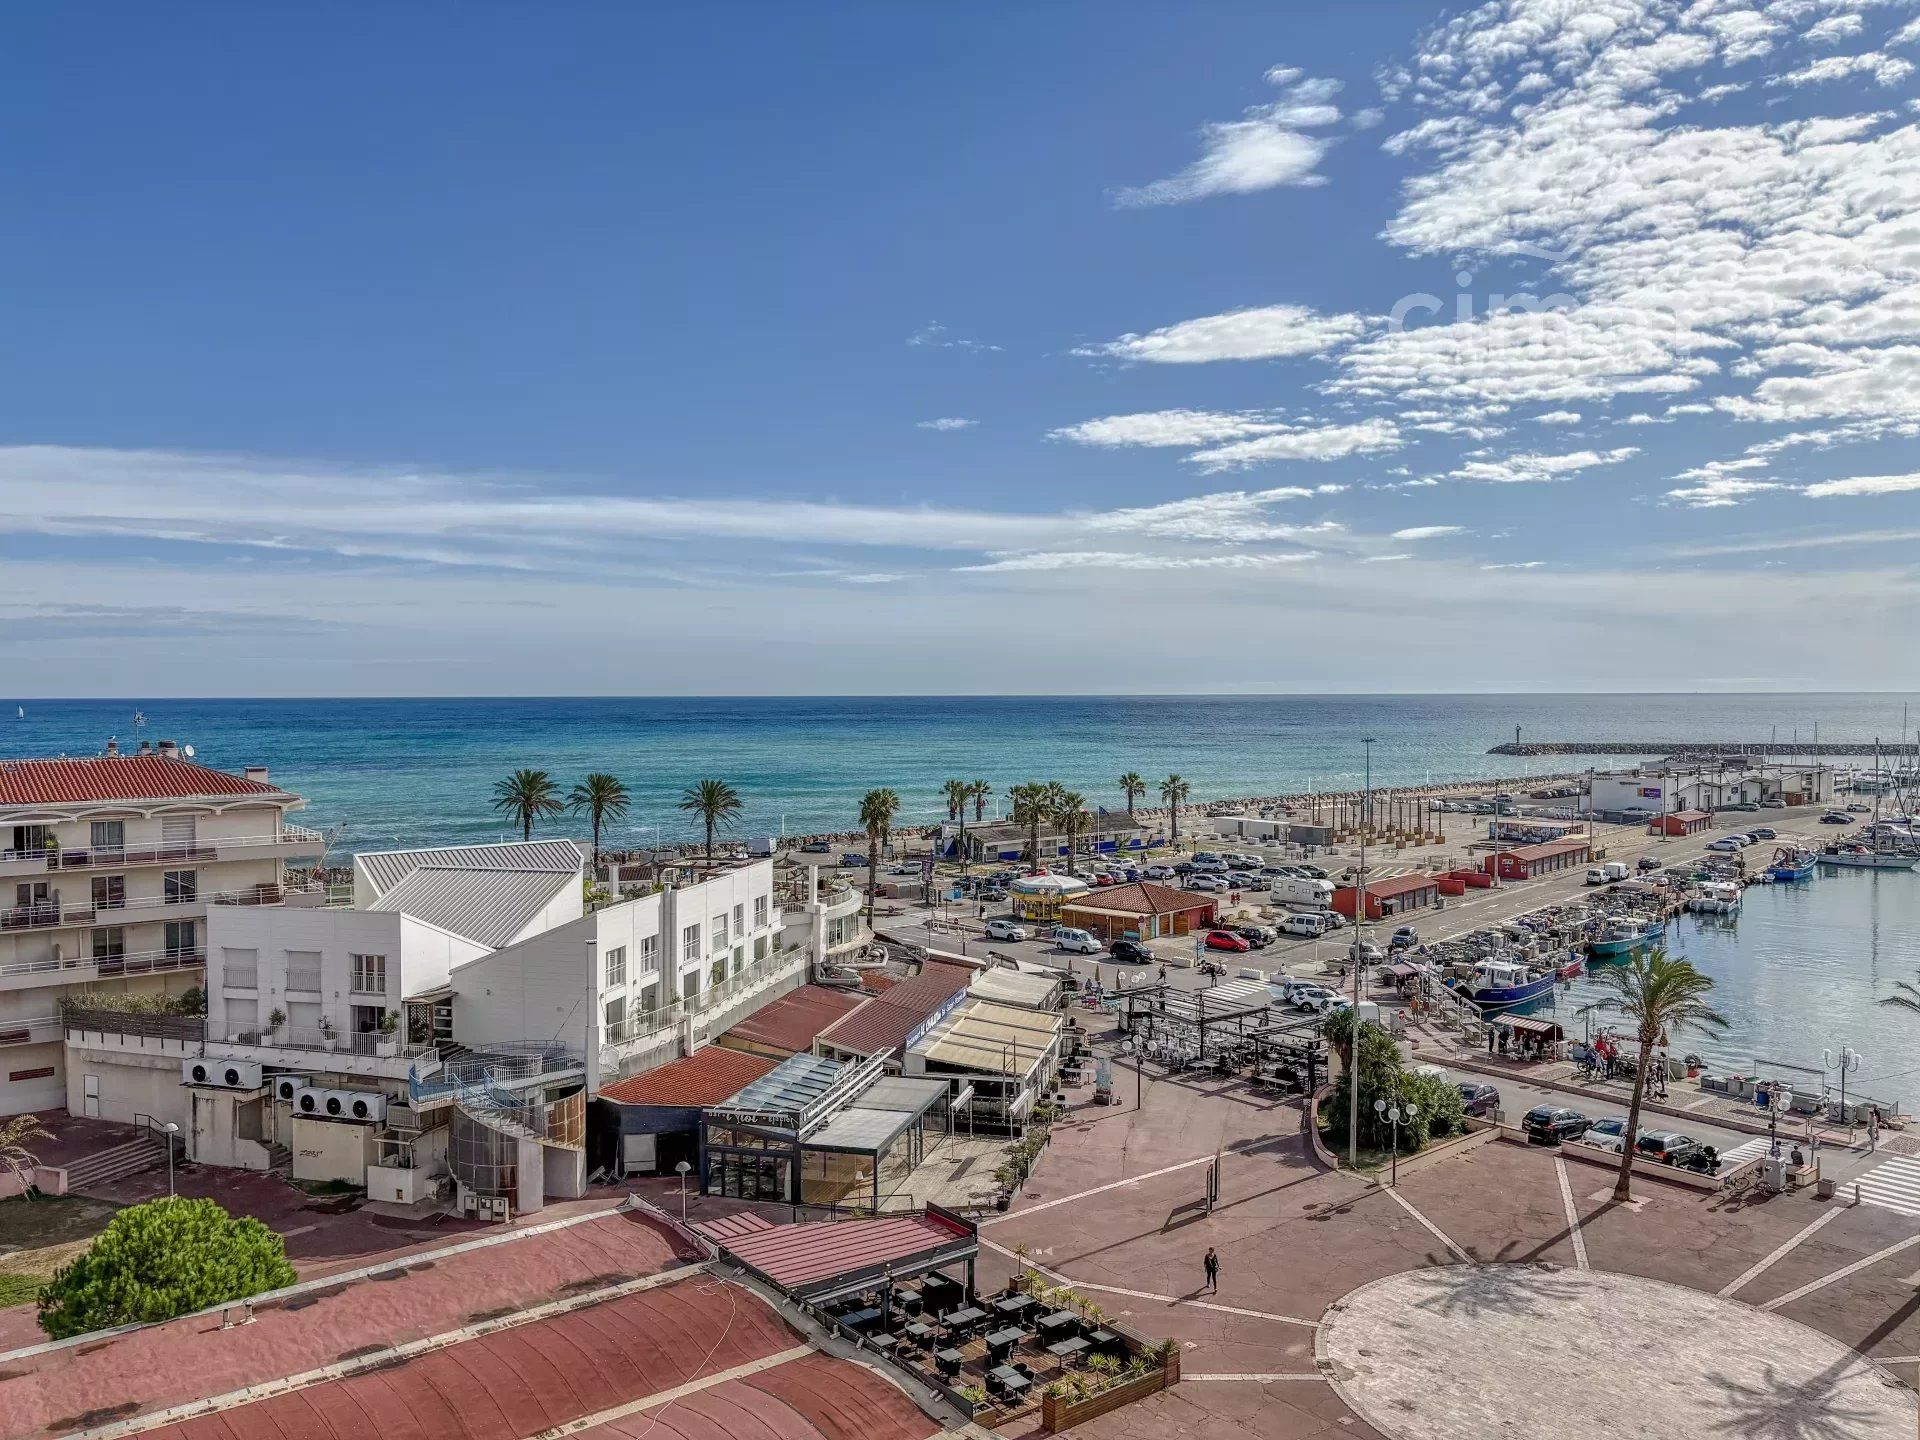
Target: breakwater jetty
[{"x": 1759, "y": 749}]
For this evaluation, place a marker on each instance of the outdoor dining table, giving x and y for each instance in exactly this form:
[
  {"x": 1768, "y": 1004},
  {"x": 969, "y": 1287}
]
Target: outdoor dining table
[
  {"x": 1067, "y": 1349},
  {"x": 907, "y": 1298},
  {"x": 882, "y": 1341},
  {"x": 1103, "y": 1339},
  {"x": 860, "y": 1319},
  {"x": 948, "y": 1361},
  {"x": 1011, "y": 1380},
  {"x": 1009, "y": 1336},
  {"x": 961, "y": 1319},
  {"x": 1013, "y": 1304},
  {"x": 1058, "y": 1321},
  {"x": 921, "y": 1333}
]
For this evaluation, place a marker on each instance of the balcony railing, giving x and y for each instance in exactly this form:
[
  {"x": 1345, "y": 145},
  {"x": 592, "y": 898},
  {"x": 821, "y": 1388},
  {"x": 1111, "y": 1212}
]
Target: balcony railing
[
  {"x": 51, "y": 915},
  {"x": 372, "y": 1044},
  {"x": 197, "y": 851},
  {"x": 647, "y": 1022},
  {"x": 138, "y": 962}
]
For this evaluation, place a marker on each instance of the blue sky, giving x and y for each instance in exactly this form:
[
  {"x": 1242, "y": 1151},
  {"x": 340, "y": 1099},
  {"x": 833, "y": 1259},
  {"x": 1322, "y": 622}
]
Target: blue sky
[{"x": 592, "y": 349}]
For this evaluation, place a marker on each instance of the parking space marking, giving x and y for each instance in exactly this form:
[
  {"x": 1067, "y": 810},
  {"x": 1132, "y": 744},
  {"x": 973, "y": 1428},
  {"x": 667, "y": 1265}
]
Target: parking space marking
[
  {"x": 1573, "y": 1215},
  {"x": 1066, "y": 1279},
  {"x": 1767, "y": 1261},
  {"x": 1241, "y": 1149},
  {"x": 1257, "y": 1379},
  {"x": 1855, "y": 1268},
  {"x": 1432, "y": 1229}
]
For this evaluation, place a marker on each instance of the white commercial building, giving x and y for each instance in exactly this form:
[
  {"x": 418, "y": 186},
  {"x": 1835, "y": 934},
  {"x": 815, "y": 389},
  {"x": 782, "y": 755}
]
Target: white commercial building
[
  {"x": 1666, "y": 788},
  {"x": 111, "y": 869}
]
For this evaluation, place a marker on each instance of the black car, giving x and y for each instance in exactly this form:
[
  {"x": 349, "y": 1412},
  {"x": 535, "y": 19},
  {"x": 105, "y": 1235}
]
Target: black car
[
  {"x": 1312, "y": 872},
  {"x": 1254, "y": 935},
  {"x": 1669, "y": 1147},
  {"x": 1834, "y": 817},
  {"x": 1480, "y": 1099},
  {"x": 1131, "y": 950},
  {"x": 1551, "y": 1124}
]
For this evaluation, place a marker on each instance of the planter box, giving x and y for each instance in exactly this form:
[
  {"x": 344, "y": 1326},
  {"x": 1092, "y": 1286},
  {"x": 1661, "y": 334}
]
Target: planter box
[{"x": 1057, "y": 1415}]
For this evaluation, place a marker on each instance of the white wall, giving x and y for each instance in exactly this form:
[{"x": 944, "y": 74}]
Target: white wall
[{"x": 331, "y": 1150}]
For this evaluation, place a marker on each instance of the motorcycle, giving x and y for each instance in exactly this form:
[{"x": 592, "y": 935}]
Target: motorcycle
[
  {"x": 1212, "y": 968},
  {"x": 1704, "y": 1161}
]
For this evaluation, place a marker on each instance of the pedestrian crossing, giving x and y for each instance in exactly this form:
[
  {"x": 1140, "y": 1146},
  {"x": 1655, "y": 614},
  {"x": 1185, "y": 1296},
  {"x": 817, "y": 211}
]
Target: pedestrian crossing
[
  {"x": 1739, "y": 1154},
  {"x": 1893, "y": 1185}
]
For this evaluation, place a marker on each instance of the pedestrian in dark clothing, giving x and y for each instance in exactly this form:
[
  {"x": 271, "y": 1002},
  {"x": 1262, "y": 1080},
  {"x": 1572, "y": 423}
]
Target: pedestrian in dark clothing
[
  {"x": 1212, "y": 1264},
  {"x": 1873, "y": 1129},
  {"x": 1491, "y": 1039}
]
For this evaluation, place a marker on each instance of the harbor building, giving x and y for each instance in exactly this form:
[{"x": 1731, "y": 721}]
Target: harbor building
[
  {"x": 1530, "y": 862},
  {"x": 111, "y": 867},
  {"x": 1391, "y": 895},
  {"x": 1639, "y": 794}
]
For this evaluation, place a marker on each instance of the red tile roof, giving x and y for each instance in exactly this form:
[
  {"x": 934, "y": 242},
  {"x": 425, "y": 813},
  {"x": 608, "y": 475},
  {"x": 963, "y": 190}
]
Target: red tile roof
[
  {"x": 1395, "y": 885},
  {"x": 118, "y": 777},
  {"x": 790, "y": 1023},
  {"x": 1550, "y": 849},
  {"x": 886, "y": 1020},
  {"x": 797, "y": 1256},
  {"x": 706, "y": 1077},
  {"x": 1140, "y": 898}
]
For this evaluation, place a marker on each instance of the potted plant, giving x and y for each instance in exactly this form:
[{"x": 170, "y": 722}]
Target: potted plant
[
  {"x": 275, "y": 1020},
  {"x": 327, "y": 1033},
  {"x": 388, "y": 1044}
]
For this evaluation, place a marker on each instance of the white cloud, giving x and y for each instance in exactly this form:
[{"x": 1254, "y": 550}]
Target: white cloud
[
  {"x": 1428, "y": 532},
  {"x": 1329, "y": 442},
  {"x": 1366, "y": 119},
  {"x": 1267, "y": 147},
  {"x": 948, "y": 422},
  {"x": 1881, "y": 69},
  {"x": 1185, "y": 428},
  {"x": 1383, "y": 559},
  {"x": 1715, "y": 492},
  {"x": 1113, "y": 559},
  {"x": 1907, "y": 34},
  {"x": 1532, "y": 469},
  {"x": 1267, "y": 332},
  {"x": 1863, "y": 485},
  {"x": 1558, "y": 417},
  {"x": 1834, "y": 29},
  {"x": 1516, "y": 565},
  {"x": 935, "y": 336}
]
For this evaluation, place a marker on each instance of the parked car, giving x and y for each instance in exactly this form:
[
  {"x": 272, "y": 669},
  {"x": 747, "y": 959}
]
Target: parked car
[
  {"x": 1856, "y": 808},
  {"x": 1552, "y": 1124},
  {"x": 1131, "y": 951},
  {"x": 1835, "y": 817},
  {"x": 1596, "y": 876},
  {"x": 816, "y": 847},
  {"x": 1335, "y": 920},
  {"x": 1226, "y": 940},
  {"x": 1312, "y": 872},
  {"x": 1649, "y": 862},
  {"x": 1309, "y": 923},
  {"x": 1479, "y": 1098},
  {"x": 1764, "y": 832},
  {"x": 1255, "y": 935},
  {"x": 1205, "y": 882},
  {"x": 1159, "y": 872},
  {"x": 991, "y": 894},
  {"x": 1773, "y": 802},
  {"x": 1000, "y": 928},
  {"x": 1745, "y": 807},
  {"x": 1725, "y": 843},
  {"x": 1607, "y": 1133},
  {"x": 1315, "y": 999},
  {"x": 1075, "y": 942},
  {"x": 1244, "y": 880},
  {"x": 1104, "y": 879},
  {"x": 1403, "y": 938},
  {"x": 1370, "y": 953},
  {"x": 1669, "y": 1147},
  {"x": 1213, "y": 866},
  {"x": 852, "y": 857}
]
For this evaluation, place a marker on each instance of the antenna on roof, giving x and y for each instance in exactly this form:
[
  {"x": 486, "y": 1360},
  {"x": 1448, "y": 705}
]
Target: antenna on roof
[{"x": 187, "y": 750}]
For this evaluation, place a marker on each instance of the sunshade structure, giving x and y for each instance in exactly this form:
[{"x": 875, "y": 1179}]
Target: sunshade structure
[
  {"x": 822, "y": 1261},
  {"x": 1199, "y": 1022},
  {"x": 997, "y": 1057}
]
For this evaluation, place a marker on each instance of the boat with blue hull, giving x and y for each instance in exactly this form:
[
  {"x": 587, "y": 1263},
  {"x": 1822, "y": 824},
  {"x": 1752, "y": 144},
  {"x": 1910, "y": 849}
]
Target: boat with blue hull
[
  {"x": 1619, "y": 940},
  {"x": 1499, "y": 985},
  {"x": 1792, "y": 864}
]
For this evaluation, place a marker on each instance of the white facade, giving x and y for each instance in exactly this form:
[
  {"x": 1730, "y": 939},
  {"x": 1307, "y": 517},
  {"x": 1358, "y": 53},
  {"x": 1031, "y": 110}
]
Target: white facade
[
  {"x": 114, "y": 892},
  {"x": 1663, "y": 789}
]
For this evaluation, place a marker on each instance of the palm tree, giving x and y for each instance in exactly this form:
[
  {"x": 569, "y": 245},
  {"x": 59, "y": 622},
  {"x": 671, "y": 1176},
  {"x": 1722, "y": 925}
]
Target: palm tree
[
  {"x": 603, "y": 798},
  {"x": 957, "y": 792},
  {"x": 1657, "y": 993},
  {"x": 1174, "y": 791},
  {"x": 526, "y": 795},
  {"x": 716, "y": 803},
  {"x": 1069, "y": 809},
  {"x": 1134, "y": 787},
  {"x": 1029, "y": 809},
  {"x": 979, "y": 790},
  {"x": 1906, "y": 996},
  {"x": 15, "y": 1158},
  {"x": 877, "y": 810}
]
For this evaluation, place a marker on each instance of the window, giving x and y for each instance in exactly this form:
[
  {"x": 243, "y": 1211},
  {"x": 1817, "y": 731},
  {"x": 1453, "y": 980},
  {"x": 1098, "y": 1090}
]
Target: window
[
  {"x": 369, "y": 975},
  {"x": 690, "y": 983},
  {"x": 109, "y": 892},
  {"x": 739, "y": 920},
  {"x": 760, "y": 913},
  {"x": 616, "y": 967},
  {"x": 719, "y": 928},
  {"x": 109, "y": 835},
  {"x": 303, "y": 970},
  {"x": 366, "y": 1018},
  {"x": 183, "y": 939},
  {"x": 649, "y": 954},
  {"x": 689, "y": 944},
  {"x": 239, "y": 969},
  {"x": 39, "y": 1073},
  {"x": 719, "y": 969},
  {"x": 109, "y": 943},
  {"x": 180, "y": 886},
  {"x": 616, "y": 1014},
  {"x": 649, "y": 999}
]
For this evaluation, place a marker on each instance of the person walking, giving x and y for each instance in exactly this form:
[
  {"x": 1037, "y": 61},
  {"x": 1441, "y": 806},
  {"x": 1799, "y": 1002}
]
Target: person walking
[
  {"x": 1212, "y": 1265},
  {"x": 1873, "y": 1129}
]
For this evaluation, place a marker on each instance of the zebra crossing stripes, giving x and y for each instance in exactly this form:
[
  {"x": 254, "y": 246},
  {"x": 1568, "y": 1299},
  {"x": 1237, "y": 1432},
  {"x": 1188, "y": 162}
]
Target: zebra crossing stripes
[
  {"x": 1893, "y": 1185},
  {"x": 1746, "y": 1150}
]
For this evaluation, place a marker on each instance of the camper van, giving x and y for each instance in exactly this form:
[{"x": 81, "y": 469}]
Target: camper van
[{"x": 1293, "y": 890}]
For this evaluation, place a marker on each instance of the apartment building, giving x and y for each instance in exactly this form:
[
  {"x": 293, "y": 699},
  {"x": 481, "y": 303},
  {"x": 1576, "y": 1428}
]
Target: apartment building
[{"x": 110, "y": 867}]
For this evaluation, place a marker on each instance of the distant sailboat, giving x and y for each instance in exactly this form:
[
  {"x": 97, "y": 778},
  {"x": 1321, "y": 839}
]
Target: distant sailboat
[{"x": 22, "y": 711}]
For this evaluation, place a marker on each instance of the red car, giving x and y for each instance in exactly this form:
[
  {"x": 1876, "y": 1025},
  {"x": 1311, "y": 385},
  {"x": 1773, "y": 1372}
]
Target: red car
[{"x": 1226, "y": 940}]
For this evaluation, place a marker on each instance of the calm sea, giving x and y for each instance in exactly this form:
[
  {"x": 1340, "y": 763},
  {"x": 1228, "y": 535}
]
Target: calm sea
[{"x": 406, "y": 772}]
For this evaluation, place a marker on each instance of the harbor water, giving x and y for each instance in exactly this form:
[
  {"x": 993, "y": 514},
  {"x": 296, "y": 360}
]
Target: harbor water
[{"x": 1800, "y": 969}]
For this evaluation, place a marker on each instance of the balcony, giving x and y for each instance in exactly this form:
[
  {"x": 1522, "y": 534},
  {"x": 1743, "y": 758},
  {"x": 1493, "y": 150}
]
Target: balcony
[
  {"x": 36, "y": 1031},
  {"x": 47, "y": 915},
  {"x": 79, "y": 969},
  {"x": 387, "y": 1057},
  {"x": 287, "y": 842}
]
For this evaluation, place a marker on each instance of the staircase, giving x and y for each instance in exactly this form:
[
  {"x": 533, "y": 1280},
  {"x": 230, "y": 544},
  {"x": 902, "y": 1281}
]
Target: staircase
[
  {"x": 116, "y": 1162},
  {"x": 280, "y": 1159}
]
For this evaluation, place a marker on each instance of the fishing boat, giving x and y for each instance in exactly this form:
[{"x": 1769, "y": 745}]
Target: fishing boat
[
  {"x": 1572, "y": 968},
  {"x": 1716, "y": 897},
  {"x": 1791, "y": 864},
  {"x": 1499, "y": 984},
  {"x": 1619, "y": 940}
]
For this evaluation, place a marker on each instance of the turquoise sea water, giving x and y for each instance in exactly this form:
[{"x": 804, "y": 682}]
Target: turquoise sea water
[{"x": 403, "y": 772}]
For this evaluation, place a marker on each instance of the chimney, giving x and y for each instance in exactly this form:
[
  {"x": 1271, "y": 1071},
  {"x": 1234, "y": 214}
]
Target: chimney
[
  {"x": 113, "y": 746},
  {"x": 167, "y": 747},
  {"x": 257, "y": 772},
  {"x": 146, "y": 747}
]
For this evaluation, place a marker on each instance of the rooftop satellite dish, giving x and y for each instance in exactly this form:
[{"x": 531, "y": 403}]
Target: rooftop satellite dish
[{"x": 187, "y": 750}]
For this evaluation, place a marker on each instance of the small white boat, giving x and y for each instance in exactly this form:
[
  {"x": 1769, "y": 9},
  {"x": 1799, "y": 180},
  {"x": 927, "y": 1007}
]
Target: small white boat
[
  {"x": 1716, "y": 897},
  {"x": 1862, "y": 859}
]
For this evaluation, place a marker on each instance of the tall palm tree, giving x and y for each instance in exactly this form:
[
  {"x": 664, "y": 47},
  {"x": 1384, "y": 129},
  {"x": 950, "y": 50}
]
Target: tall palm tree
[
  {"x": 1069, "y": 809},
  {"x": 877, "y": 811},
  {"x": 1174, "y": 791},
  {"x": 1657, "y": 993},
  {"x": 527, "y": 795},
  {"x": 979, "y": 790},
  {"x": 716, "y": 803},
  {"x": 1906, "y": 996},
  {"x": 1134, "y": 787},
  {"x": 603, "y": 798},
  {"x": 15, "y": 1159},
  {"x": 958, "y": 793},
  {"x": 1029, "y": 809}
]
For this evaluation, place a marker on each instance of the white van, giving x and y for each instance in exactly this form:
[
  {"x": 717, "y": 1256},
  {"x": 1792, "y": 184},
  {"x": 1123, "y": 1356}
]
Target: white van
[
  {"x": 1617, "y": 870},
  {"x": 1075, "y": 942},
  {"x": 1597, "y": 875},
  {"x": 1293, "y": 890},
  {"x": 1303, "y": 922}
]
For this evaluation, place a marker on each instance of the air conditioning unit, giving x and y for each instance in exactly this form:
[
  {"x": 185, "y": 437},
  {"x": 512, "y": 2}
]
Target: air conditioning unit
[
  {"x": 223, "y": 1074},
  {"x": 367, "y": 1106},
  {"x": 287, "y": 1087},
  {"x": 311, "y": 1102}
]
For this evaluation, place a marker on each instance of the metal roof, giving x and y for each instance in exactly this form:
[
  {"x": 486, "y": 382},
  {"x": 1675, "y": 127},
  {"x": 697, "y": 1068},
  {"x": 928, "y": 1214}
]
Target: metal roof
[
  {"x": 793, "y": 1084},
  {"x": 790, "y": 1023},
  {"x": 810, "y": 1259},
  {"x": 386, "y": 868},
  {"x": 886, "y": 1020},
  {"x": 488, "y": 906},
  {"x": 999, "y": 1039},
  {"x": 1011, "y": 987},
  {"x": 706, "y": 1077},
  {"x": 867, "y": 1131}
]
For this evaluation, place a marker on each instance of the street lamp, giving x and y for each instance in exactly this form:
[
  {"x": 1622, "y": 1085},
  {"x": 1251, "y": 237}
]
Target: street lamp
[
  {"x": 1779, "y": 1101},
  {"x": 173, "y": 1129},
  {"x": 1399, "y": 1113},
  {"x": 682, "y": 1167},
  {"x": 1359, "y": 949},
  {"x": 1847, "y": 1060}
]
